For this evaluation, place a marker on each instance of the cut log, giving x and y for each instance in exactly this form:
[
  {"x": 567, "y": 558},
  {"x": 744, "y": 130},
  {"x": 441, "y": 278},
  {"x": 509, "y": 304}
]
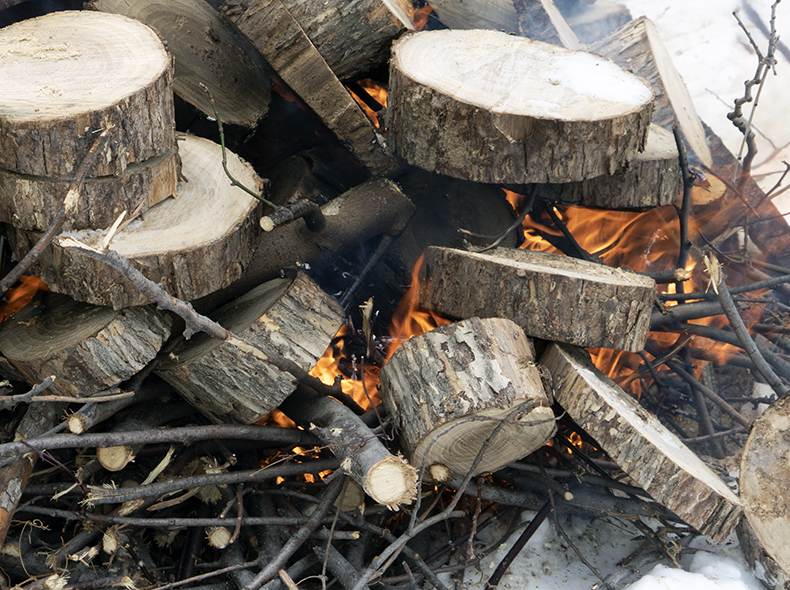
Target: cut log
[
  {"x": 353, "y": 38},
  {"x": 283, "y": 43},
  {"x": 551, "y": 297},
  {"x": 638, "y": 48},
  {"x": 87, "y": 348},
  {"x": 489, "y": 107},
  {"x": 293, "y": 318},
  {"x": 447, "y": 391},
  {"x": 594, "y": 20},
  {"x": 32, "y": 202},
  {"x": 193, "y": 245},
  {"x": 650, "y": 454},
  {"x": 653, "y": 180},
  {"x": 765, "y": 473},
  {"x": 67, "y": 76},
  {"x": 535, "y": 19},
  {"x": 207, "y": 49},
  {"x": 388, "y": 479}
]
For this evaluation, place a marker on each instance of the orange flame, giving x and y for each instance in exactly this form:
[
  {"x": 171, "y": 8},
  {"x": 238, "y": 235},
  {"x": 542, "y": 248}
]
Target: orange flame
[
  {"x": 377, "y": 92},
  {"x": 20, "y": 295},
  {"x": 418, "y": 16}
]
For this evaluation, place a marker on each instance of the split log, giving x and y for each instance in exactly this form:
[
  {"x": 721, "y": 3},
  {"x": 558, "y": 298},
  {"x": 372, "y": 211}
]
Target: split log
[
  {"x": 207, "y": 49},
  {"x": 653, "y": 180},
  {"x": 386, "y": 478},
  {"x": 69, "y": 75},
  {"x": 447, "y": 391},
  {"x": 353, "y": 38},
  {"x": 638, "y": 48},
  {"x": 193, "y": 245},
  {"x": 651, "y": 455},
  {"x": 87, "y": 348},
  {"x": 551, "y": 297},
  {"x": 597, "y": 19},
  {"x": 489, "y": 107},
  {"x": 32, "y": 202},
  {"x": 765, "y": 473},
  {"x": 293, "y": 318},
  {"x": 283, "y": 43},
  {"x": 540, "y": 20}
]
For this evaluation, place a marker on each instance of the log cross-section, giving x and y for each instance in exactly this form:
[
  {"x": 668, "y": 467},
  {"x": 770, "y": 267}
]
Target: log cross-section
[{"x": 654, "y": 457}]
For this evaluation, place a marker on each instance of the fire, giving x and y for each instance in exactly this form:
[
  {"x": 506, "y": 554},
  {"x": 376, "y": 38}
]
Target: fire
[
  {"x": 20, "y": 295},
  {"x": 419, "y": 16},
  {"x": 377, "y": 92}
]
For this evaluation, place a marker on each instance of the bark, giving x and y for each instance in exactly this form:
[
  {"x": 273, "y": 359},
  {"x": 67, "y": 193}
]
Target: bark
[
  {"x": 68, "y": 75},
  {"x": 551, "y": 297},
  {"x": 638, "y": 48},
  {"x": 649, "y": 453},
  {"x": 193, "y": 245},
  {"x": 448, "y": 389},
  {"x": 490, "y": 107},
  {"x": 293, "y": 318},
  {"x": 86, "y": 348},
  {"x": 207, "y": 49},
  {"x": 32, "y": 202}
]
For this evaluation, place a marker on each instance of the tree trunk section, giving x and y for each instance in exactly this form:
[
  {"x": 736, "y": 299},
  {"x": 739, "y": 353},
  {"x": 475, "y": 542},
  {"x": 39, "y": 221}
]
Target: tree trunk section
[
  {"x": 32, "y": 202},
  {"x": 353, "y": 37},
  {"x": 638, "y": 48},
  {"x": 207, "y": 49},
  {"x": 386, "y": 478},
  {"x": 194, "y": 244},
  {"x": 490, "y": 107},
  {"x": 67, "y": 76},
  {"x": 293, "y": 318},
  {"x": 765, "y": 473},
  {"x": 86, "y": 348},
  {"x": 282, "y": 42},
  {"x": 653, "y": 180},
  {"x": 551, "y": 297},
  {"x": 447, "y": 391},
  {"x": 650, "y": 454}
]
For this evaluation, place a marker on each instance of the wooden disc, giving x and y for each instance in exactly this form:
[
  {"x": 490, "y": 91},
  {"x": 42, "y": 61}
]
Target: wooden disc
[
  {"x": 193, "y": 244},
  {"x": 765, "y": 473},
  {"x": 87, "y": 348},
  {"x": 32, "y": 202},
  {"x": 450, "y": 388},
  {"x": 491, "y": 107},
  {"x": 66, "y": 77},
  {"x": 293, "y": 318}
]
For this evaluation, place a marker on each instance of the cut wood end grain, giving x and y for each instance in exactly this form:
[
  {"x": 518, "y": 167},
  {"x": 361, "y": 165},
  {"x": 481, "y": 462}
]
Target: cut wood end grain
[{"x": 392, "y": 482}]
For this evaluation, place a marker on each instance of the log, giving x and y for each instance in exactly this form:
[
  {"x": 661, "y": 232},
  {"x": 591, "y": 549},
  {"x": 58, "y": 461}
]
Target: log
[
  {"x": 353, "y": 38},
  {"x": 763, "y": 488},
  {"x": 67, "y": 76},
  {"x": 193, "y": 245},
  {"x": 650, "y": 454},
  {"x": 449, "y": 388},
  {"x": 489, "y": 107},
  {"x": 654, "y": 179},
  {"x": 540, "y": 20},
  {"x": 207, "y": 49},
  {"x": 283, "y": 43},
  {"x": 87, "y": 348},
  {"x": 386, "y": 478},
  {"x": 32, "y": 202},
  {"x": 638, "y": 48},
  {"x": 292, "y": 317},
  {"x": 597, "y": 19},
  {"x": 550, "y": 296}
]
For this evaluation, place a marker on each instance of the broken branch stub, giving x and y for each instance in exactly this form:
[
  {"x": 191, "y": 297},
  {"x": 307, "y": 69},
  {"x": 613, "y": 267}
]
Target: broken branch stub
[
  {"x": 490, "y": 107},
  {"x": 551, "y": 297},
  {"x": 650, "y": 454},
  {"x": 479, "y": 371}
]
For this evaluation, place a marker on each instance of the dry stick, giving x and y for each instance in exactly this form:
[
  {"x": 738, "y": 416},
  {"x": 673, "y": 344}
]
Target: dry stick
[
  {"x": 515, "y": 225},
  {"x": 580, "y": 252},
  {"x": 69, "y": 203},
  {"x": 311, "y": 213},
  {"x": 684, "y": 312},
  {"x": 270, "y": 571},
  {"x": 707, "y": 392},
  {"x": 702, "y": 407},
  {"x": 685, "y": 205},
  {"x": 715, "y": 436},
  {"x": 381, "y": 249},
  {"x": 9, "y": 401},
  {"x": 765, "y": 284}
]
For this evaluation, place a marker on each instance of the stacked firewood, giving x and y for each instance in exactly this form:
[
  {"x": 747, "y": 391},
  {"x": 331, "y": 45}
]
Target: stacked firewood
[{"x": 191, "y": 297}]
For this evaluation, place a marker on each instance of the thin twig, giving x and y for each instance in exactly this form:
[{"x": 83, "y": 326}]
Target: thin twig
[
  {"x": 580, "y": 252},
  {"x": 514, "y": 226},
  {"x": 685, "y": 205},
  {"x": 707, "y": 392}
]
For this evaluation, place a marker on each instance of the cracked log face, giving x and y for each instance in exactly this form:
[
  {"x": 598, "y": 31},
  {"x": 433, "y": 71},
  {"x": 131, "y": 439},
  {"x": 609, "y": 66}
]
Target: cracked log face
[
  {"x": 490, "y": 107},
  {"x": 654, "y": 457},
  {"x": 551, "y": 297},
  {"x": 450, "y": 388},
  {"x": 66, "y": 76}
]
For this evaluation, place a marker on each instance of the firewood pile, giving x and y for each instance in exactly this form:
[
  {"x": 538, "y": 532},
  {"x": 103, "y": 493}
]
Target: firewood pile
[{"x": 326, "y": 289}]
